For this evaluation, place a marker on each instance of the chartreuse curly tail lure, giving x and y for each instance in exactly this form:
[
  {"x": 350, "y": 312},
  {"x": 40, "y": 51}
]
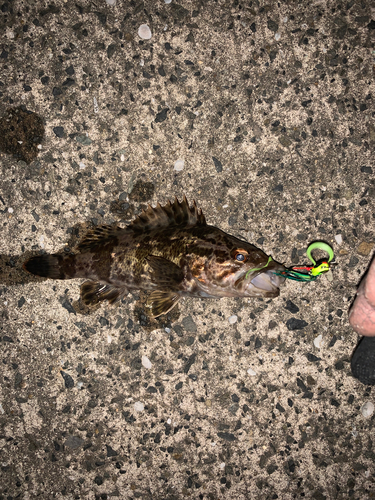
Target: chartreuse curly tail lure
[{"x": 310, "y": 273}]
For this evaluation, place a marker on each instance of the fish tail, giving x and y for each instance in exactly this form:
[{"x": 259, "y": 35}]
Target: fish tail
[{"x": 58, "y": 267}]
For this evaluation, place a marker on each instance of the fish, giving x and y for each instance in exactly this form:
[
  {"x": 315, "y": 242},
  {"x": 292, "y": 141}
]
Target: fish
[{"x": 169, "y": 251}]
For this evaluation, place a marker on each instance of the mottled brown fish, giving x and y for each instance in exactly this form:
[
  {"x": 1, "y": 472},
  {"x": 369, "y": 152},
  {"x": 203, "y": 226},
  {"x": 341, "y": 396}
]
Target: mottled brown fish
[{"x": 169, "y": 251}]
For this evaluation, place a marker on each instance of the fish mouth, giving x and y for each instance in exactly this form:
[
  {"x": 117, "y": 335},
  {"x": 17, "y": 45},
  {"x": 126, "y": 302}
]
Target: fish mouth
[{"x": 265, "y": 284}]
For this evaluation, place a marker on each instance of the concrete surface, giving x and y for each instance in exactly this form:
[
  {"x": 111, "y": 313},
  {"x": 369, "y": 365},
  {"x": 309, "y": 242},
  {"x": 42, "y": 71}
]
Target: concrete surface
[{"x": 270, "y": 106}]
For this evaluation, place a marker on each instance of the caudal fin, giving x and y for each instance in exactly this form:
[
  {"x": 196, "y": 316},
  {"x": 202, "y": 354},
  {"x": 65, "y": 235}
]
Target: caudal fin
[{"x": 48, "y": 266}]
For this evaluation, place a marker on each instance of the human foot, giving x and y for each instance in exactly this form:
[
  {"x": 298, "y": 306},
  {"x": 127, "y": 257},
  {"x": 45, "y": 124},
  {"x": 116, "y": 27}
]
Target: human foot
[{"x": 362, "y": 313}]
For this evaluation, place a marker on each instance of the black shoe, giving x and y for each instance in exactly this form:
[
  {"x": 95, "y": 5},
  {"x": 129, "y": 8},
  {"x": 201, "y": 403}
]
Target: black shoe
[{"x": 363, "y": 361}]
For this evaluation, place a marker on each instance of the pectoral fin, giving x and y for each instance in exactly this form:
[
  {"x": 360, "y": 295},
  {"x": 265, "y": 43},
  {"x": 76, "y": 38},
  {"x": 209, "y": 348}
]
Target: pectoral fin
[
  {"x": 93, "y": 292},
  {"x": 164, "y": 273},
  {"x": 161, "y": 302}
]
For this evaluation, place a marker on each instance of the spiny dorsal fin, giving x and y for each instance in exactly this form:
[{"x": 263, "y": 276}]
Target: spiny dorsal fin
[
  {"x": 172, "y": 214},
  {"x": 101, "y": 235}
]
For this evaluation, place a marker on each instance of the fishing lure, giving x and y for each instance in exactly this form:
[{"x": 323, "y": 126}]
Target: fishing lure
[{"x": 310, "y": 273}]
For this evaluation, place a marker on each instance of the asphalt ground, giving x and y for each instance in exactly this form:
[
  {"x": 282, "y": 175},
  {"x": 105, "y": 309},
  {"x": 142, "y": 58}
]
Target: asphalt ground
[{"x": 264, "y": 114}]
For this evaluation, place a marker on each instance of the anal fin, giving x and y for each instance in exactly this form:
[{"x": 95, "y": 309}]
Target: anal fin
[
  {"x": 160, "y": 302},
  {"x": 93, "y": 292}
]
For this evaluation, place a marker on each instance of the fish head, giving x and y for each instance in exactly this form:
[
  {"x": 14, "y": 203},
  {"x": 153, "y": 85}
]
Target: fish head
[{"x": 235, "y": 268}]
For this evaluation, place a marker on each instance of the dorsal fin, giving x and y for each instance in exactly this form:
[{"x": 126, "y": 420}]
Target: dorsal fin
[
  {"x": 100, "y": 236},
  {"x": 172, "y": 214}
]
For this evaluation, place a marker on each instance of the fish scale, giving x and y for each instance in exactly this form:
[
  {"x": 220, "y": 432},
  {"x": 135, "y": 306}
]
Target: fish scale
[{"x": 169, "y": 251}]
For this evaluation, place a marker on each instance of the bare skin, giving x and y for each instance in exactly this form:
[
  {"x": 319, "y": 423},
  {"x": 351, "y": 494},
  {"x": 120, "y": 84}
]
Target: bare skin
[{"x": 362, "y": 313}]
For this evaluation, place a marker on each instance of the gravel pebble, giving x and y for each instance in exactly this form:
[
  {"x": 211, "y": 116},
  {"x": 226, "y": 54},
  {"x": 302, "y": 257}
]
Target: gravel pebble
[
  {"x": 318, "y": 341},
  {"x": 179, "y": 165},
  {"x": 144, "y": 32},
  {"x": 338, "y": 238},
  {"x": 367, "y": 409},
  {"x": 146, "y": 362},
  {"x": 138, "y": 406},
  {"x": 232, "y": 319}
]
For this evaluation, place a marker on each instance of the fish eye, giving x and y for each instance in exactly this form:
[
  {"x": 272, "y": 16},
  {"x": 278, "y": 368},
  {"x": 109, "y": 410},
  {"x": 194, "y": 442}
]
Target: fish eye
[{"x": 240, "y": 256}]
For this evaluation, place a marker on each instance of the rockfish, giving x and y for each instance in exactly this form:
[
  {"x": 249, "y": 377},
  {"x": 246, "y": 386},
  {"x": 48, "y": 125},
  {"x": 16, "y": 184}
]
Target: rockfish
[{"x": 169, "y": 251}]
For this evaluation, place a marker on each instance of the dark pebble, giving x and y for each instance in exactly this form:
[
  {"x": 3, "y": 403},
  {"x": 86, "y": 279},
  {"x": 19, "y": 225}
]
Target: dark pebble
[
  {"x": 301, "y": 385},
  {"x": 160, "y": 117},
  {"x": 308, "y": 395},
  {"x": 73, "y": 442},
  {"x": 161, "y": 71},
  {"x": 21, "y": 400},
  {"x": 69, "y": 382},
  {"x": 190, "y": 341},
  {"x": 68, "y": 306},
  {"x": 258, "y": 343},
  {"x": 69, "y": 82},
  {"x": 218, "y": 165},
  {"x": 235, "y": 398},
  {"x": 291, "y": 307},
  {"x": 272, "y": 25},
  {"x": 36, "y": 216},
  {"x": 366, "y": 170},
  {"x": 296, "y": 324},
  {"x": 353, "y": 261},
  {"x": 271, "y": 469},
  {"x": 103, "y": 321},
  {"x": 111, "y": 50},
  {"x": 291, "y": 465},
  {"x": 232, "y": 220},
  {"x": 280, "y": 408},
  {"x": 279, "y": 188},
  {"x": 190, "y": 362},
  {"x": 21, "y": 302},
  {"x": 189, "y": 325},
  {"x": 312, "y": 357},
  {"x": 59, "y": 131},
  {"x": 227, "y": 436},
  {"x": 339, "y": 365},
  {"x": 334, "y": 402},
  {"x": 110, "y": 451},
  {"x": 178, "y": 386}
]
